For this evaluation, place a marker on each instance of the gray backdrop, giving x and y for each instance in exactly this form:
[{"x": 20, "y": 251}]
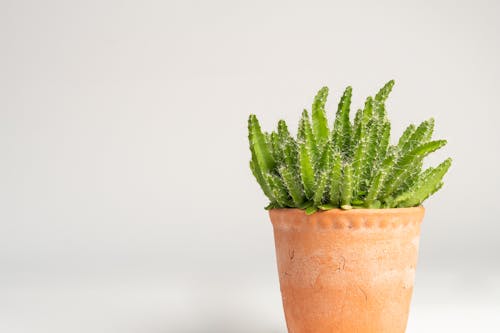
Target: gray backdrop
[{"x": 126, "y": 202}]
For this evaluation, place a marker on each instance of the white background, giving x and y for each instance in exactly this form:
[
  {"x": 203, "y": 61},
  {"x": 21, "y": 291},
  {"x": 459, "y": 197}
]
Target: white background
[{"x": 126, "y": 201}]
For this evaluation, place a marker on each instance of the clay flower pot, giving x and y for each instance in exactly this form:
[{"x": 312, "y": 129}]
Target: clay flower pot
[{"x": 347, "y": 271}]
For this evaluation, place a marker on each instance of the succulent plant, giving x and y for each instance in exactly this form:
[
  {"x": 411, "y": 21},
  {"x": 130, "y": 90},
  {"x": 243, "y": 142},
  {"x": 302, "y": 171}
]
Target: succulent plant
[{"x": 352, "y": 165}]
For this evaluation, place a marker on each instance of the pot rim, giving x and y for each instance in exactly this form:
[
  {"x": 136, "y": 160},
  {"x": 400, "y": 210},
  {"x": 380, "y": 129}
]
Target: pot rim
[
  {"x": 346, "y": 219},
  {"x": 354, "y": 211}
]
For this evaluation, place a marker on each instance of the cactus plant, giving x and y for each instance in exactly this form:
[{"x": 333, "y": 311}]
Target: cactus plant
[{"x": 352, "y": 165}]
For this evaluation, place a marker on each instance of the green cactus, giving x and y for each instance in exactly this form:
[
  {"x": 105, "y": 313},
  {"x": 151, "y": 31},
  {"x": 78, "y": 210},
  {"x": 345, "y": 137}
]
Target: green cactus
[
  {"x": 352, "y": 165},
  {"x": 384, "y": 92},
  {"x": 347, "y": 187},
  {"x": 341, "y": 133},
  {"x": 335, "y": 180},
  {"x": 293, "y": 185},
  {"x": 307, "y": 170},
  {"x": 319, "y": 121}
]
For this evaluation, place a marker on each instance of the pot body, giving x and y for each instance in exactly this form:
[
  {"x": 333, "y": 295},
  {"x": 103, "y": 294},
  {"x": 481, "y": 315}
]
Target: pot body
[{"x": 347, "y": 271}]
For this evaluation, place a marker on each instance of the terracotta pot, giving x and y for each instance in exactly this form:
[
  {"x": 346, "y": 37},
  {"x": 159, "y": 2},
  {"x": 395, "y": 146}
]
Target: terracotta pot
[{"x": 347, "y": 271}]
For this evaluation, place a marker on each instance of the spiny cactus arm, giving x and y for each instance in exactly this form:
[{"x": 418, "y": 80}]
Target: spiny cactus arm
[
  {"x": 374, "y": 129},
  {"x": 367, "y": 111},
  {"x": 288, "y": 146},
  {"x": 301, "y": 131},
  {"x": 283, "y": 137},
  {"x": 416, "y": 202},
  {"x": 430, "y": 181},
  {"x": 341, "y": 134},
  {"x": 383, "y": 143},
  {"x": 360, "y": 164},
  {"x": 320, "y": 189},
  {"x": 356, "y": 127},
  {"x": 403, "y": 139},
  {"x": 290, "y": 155},
  {"x": 262, "y": 160},
  {"x": 306, "y": 170},
  {"x": 267, "y": 136},
  {"x": 410, "y": 162},
  {"x": 306, "y": 135},
  {"x": 336, "y": 180},
  {"x": 319, "y": 120},
  {"x": 283, "y": 132},
  {"x": 363, "y": 123},
  {"x": 430, "y": 130},
  {"x": 395, "y": 202},
  {"x": 279, "y": 190},
  {"x": 261, "y": 180},
  {"x": 421, "y": 135},
  {"x": 276, "y": 147},
  {"x": 293, "y": 185},
  {"x": 384, "y": 92},
  {"x": 411, "y": 178},
  {"x": 366, "y": 124},
  {"x": 413, "y": 137},
  {"x": 267, "y": 139},
  {"x": 378, "y": 181},
  {"x": 323, "y": 162},
  {"x": 379, "y": 112},
  {"x": 357, "y": 164},
  {"x": 406, "y": 165},
  {"x": 347, "y": 187},
  {"x": 258, "y": 146}
]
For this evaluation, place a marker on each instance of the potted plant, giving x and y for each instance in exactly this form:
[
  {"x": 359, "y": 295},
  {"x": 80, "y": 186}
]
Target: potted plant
[{"x": 345, "y": 205}]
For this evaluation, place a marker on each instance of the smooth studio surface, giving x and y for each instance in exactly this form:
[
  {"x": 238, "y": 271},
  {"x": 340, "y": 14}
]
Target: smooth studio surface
[{"x": 126, "y": 201}]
